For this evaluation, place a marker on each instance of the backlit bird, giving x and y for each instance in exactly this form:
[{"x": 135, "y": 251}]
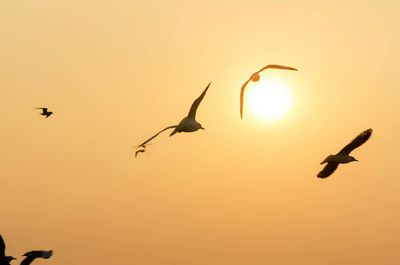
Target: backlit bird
[
  {"x": 188, "y": 124},
  {"x": 45, "y": 112},
  {"x": 343, "y": 156},
  {"x": 256, "y": 77}
]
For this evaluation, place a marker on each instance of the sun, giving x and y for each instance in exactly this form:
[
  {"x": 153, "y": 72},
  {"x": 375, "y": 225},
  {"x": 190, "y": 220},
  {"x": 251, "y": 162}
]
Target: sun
[{"x": 269, "y": 99}]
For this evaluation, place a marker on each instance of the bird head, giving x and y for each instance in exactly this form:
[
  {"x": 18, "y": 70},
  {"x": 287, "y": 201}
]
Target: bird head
[
  {"x": 353, "y": 159},
  {"x": 8, "y": 259},
  {"x": 255, "y": 77}
]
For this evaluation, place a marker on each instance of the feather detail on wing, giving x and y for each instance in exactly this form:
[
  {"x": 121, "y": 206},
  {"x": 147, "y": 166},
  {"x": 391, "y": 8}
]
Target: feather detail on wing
[
  {"x": 276, "y": 66},
  {"x": 359, "y": 140}
]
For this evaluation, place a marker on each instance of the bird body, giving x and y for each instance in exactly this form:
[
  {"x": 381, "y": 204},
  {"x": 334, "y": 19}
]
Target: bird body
[
  {"x": 343, "y": 156},
  {"x": 187, "y": 125},
  {"x": 341, "y": 159},
  {"x": 30, "y": 256},
  {"x": 4, "y": 260}
]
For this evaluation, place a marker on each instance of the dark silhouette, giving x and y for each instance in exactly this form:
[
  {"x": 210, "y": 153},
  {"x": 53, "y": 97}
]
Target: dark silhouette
[
  {"x": 256, "y": 77},
  {"x": 4, "y": 260},
  {"x": 188, "y": 124},
  {"x": 30, "y": 256},
  {"x": 139, "y": 151},
  {"x": 45, "y": 112},
  {"x": 343, "y": 156}
]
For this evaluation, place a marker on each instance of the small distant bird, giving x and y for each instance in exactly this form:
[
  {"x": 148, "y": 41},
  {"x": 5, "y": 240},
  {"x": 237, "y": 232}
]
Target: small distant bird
[
  {"x": 30, "y": 256},
  {"x": 188, "y": 124},
  {"x": 4, "y": 260},
  {"x": 139, "y": 151},
  {"x": 343, "y": 156},
  {"x": 256, "y": 77},
  {"x": 45, "y": 112}
]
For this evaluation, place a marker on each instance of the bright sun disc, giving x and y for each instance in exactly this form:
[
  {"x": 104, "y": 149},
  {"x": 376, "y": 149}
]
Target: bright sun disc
[{"x": 269, "y": 99}]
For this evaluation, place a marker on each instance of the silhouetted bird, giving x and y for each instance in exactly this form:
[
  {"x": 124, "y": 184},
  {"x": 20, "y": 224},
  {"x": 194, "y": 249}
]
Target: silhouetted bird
[
  {"x": 188, "y": 124},
  {"x": 139, "y": 151},
  {"x": 256, "y": 77},
  {"x": 4, "y": 260},
  {"x": 45, "y": 112},
  {"x": 30, "y": 256},
  {"x": 343, "y": 156}
]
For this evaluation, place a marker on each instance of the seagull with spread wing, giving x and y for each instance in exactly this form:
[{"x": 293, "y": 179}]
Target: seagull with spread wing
[
  {"x": 4, "y": 260},
  {"x": 45, "y": 112},
  {"x": 30, "y": 256},
  {"x": 256, "y": 77},
  {"x": 188, "y": 124},
  {"x": 343, "y": 156}
]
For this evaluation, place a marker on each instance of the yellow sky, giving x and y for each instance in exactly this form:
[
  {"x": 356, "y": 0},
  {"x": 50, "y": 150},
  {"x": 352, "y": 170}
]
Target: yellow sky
[{"x": 240, "y": 192}]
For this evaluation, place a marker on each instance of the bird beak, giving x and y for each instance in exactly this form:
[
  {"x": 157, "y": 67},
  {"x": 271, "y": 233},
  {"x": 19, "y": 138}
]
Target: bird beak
[
  {"x": 355, "y": 160},
  {"x": 202, "y": 128}
]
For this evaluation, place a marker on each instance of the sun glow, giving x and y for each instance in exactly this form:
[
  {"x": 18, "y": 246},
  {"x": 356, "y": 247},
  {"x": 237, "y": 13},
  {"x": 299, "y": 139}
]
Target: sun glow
[{"x": 269, "y": 99}]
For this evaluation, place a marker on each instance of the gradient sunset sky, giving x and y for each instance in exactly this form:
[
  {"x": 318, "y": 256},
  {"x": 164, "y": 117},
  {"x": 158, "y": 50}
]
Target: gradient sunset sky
[{"x": 241, "y": 192}]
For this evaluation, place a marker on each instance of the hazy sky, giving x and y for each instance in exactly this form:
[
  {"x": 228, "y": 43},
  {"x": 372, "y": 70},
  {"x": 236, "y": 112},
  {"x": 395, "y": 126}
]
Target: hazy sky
[{"x": 241, "y": 192}]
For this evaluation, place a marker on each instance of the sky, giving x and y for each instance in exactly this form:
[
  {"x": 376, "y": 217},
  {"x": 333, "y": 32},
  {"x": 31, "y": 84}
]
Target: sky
[{"x": 239, "y": 192}]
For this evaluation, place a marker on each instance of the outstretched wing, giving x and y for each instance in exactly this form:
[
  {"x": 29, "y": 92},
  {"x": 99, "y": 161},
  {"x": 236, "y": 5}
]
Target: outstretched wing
[
  {"x": 242, "y": 97},
  {"x": 154, "y": 136},
  {"x": 272, "y": 66},
  {"x": 30, "y": 256},
  {"x": 359, "y": 140},
  {"x": 276, "y": 66},
  {"x": 328, "y": 170},
  {"x": 2, "y": 248},
  {"x": 196, "y": 103}
]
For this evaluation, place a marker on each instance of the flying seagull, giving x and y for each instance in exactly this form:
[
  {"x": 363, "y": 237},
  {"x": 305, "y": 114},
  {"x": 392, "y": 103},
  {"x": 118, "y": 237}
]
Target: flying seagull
[
  {"x": 45, "y": 112},
  {"x": 4, "y": 260},
  {"x": 30, "y": 256},
  {"x": 188, "y": 124},
  {"x": 256, "y": 77},
  {"x": 343, "y": 156}
]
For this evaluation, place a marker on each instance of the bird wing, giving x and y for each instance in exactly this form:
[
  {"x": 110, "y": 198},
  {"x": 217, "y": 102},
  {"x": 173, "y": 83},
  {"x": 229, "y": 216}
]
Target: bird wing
[
  {"x": 359, "y": 140},
  {"x": 138, "y": 151},
  {"x": 328, "y": 170},
  {"x": 154, "y": 136},
  {"x": 196, "y": 103},
  {"x": 2, "y": 248},
  {"x": 29, "y": 258},
  {"x": 276, "y": 66},
  {"x": 242, "y": 97}
]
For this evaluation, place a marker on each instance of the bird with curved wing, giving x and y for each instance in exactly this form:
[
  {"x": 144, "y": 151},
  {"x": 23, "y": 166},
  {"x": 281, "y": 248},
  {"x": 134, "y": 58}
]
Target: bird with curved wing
[
  {"x": 30, "y": 256},
  {"x": 256, "y": 77},
  {"x": 188, "y": 124},
  {"x": 343, "y": 156}
]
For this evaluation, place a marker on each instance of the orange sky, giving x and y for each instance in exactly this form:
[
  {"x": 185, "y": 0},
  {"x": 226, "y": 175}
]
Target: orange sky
[{"x": 240, "y": 192}]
